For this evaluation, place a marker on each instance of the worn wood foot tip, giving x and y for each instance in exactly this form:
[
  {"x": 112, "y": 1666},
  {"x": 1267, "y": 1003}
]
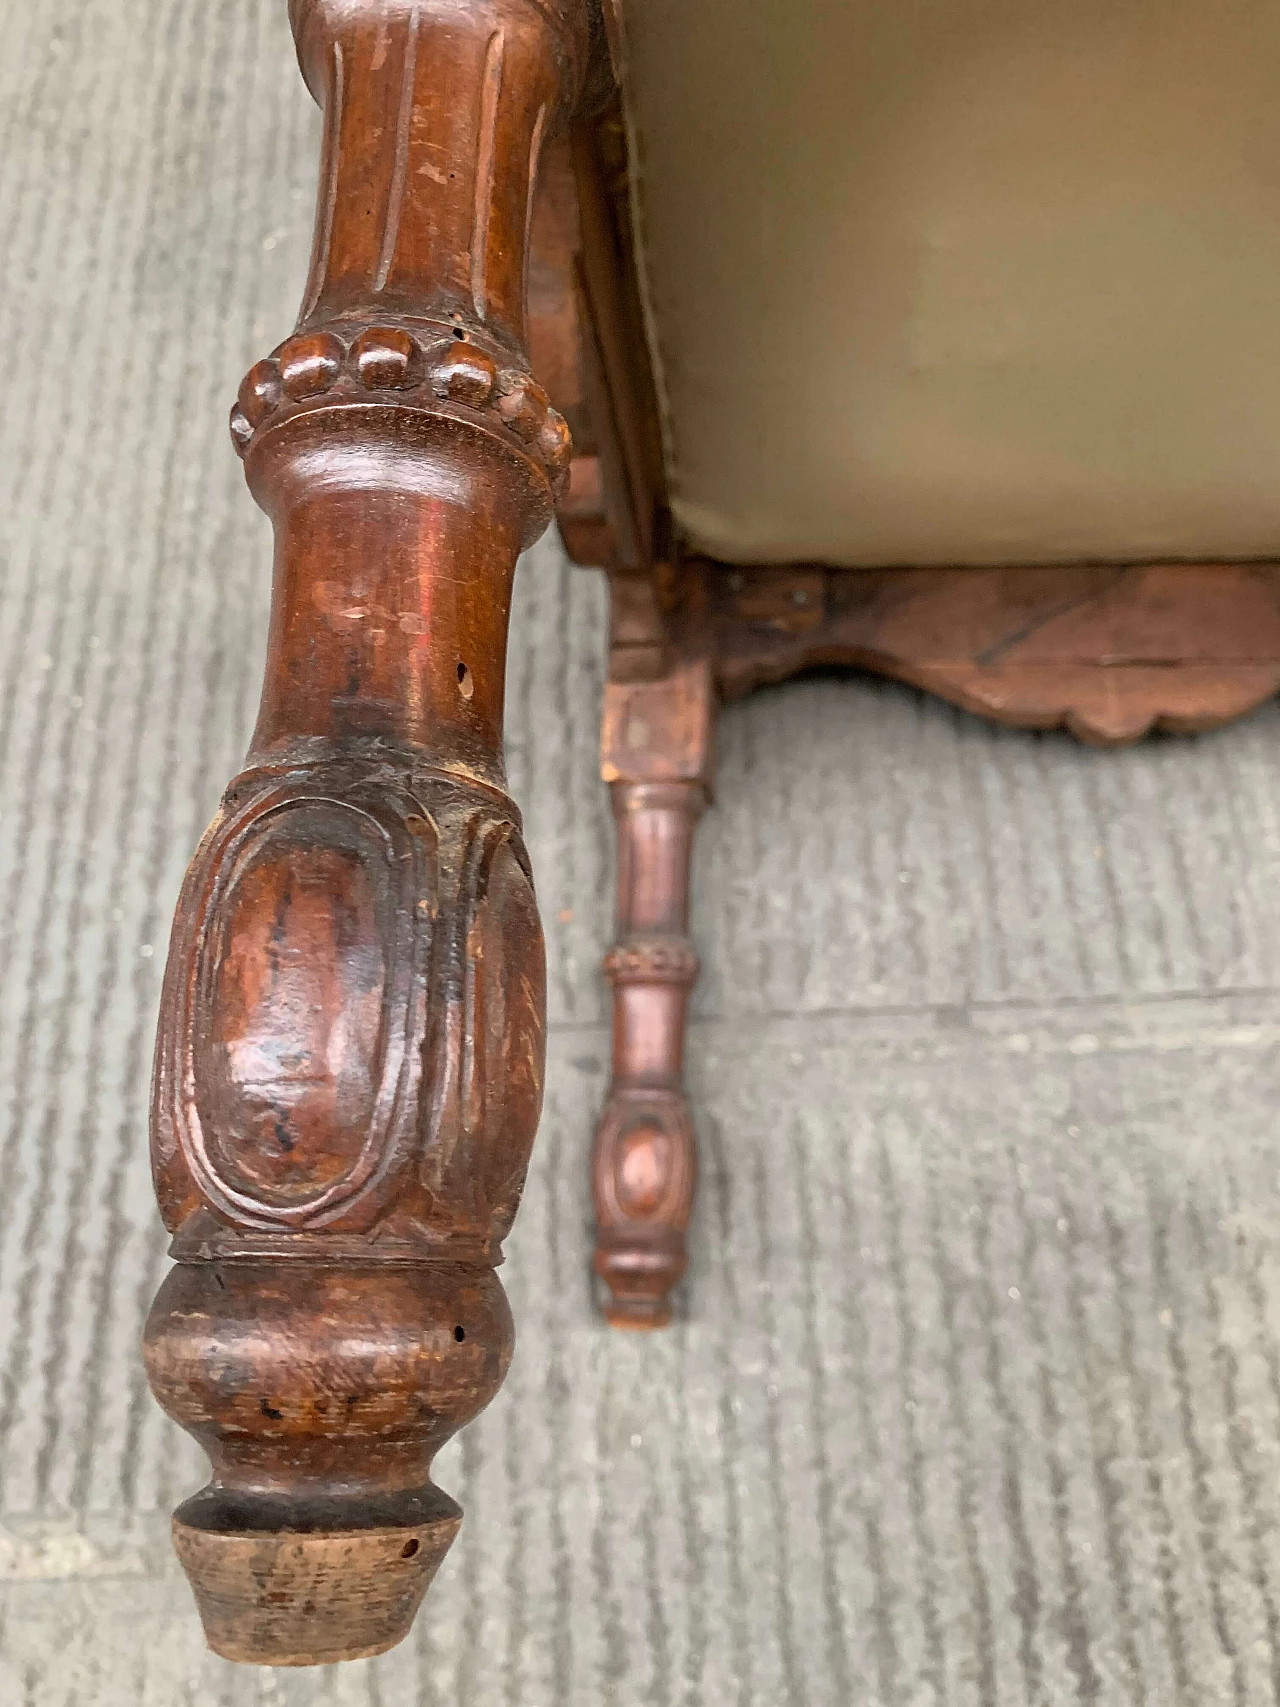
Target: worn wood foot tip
[
  {"x": 349, "y": 1063},
  {"x": 321, "y": 1392}
]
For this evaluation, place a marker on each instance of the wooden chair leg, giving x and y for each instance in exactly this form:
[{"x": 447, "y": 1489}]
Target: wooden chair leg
[
  {"x": 656, "y": 759},
  {"x": 349, "y": 1063}
]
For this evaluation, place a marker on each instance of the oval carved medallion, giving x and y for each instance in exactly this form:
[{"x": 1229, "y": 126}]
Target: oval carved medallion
[{"x": 305, "y": 987}]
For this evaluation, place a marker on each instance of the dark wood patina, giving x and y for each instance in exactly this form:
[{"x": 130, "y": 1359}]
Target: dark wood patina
[{"x": 349, "y": 1064}]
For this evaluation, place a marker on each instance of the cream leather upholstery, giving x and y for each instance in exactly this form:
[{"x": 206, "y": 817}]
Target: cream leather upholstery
[{"x": 974, "y": 281}]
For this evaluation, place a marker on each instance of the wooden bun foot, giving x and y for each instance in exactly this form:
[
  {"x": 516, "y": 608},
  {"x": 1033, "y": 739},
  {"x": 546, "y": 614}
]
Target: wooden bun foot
[
  {"x": 287, "y": 1598},
  {"x": 321, "y": 1392},
  {"x": 640, "y": 1277}
]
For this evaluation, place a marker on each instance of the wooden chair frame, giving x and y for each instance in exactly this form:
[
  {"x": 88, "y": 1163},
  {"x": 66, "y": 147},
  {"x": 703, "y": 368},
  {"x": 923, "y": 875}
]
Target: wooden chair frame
[{"x": 349, "y": 1062}]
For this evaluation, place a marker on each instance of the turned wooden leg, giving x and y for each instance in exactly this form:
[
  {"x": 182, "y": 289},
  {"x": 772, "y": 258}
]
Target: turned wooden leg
[
  {"x": 656, "y": 759},
  {"x": 349, "y": 1064}
]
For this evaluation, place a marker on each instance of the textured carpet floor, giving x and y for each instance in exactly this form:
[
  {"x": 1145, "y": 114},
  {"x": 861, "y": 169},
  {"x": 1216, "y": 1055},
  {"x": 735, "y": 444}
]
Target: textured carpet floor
[{"x": 975, "y": 1397}]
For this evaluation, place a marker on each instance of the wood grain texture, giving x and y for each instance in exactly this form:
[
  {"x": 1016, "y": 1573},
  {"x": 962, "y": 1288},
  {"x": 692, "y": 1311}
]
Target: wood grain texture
[
  {"x": 348, "y": 1071},
  {"x": 1108, "y": 652}
]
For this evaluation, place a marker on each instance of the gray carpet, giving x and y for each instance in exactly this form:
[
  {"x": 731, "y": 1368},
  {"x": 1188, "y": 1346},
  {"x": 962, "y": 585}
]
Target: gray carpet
[{"x": 975, "y": 1394}]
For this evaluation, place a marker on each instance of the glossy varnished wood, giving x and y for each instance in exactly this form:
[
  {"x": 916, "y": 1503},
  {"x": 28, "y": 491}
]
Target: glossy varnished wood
[
  {"x": 1108, "y": 652},
  {"x": 349, "y": 1062}
]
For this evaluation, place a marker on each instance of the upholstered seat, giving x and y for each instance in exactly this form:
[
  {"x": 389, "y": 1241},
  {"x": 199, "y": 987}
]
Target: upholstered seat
[{"x": 962, "y": 281}]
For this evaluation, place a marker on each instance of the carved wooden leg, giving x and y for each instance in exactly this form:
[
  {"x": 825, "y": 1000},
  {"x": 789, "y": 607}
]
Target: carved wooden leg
[
  {"x": 349, "y": 1065},
  {"x": 656, "y": 759}
]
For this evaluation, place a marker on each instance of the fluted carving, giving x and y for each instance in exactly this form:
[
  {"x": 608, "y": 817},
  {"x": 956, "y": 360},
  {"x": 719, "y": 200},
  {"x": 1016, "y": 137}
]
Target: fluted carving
[
  {"x": 435, "y": 116},
  {"x": 349, "y": 1062}
]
